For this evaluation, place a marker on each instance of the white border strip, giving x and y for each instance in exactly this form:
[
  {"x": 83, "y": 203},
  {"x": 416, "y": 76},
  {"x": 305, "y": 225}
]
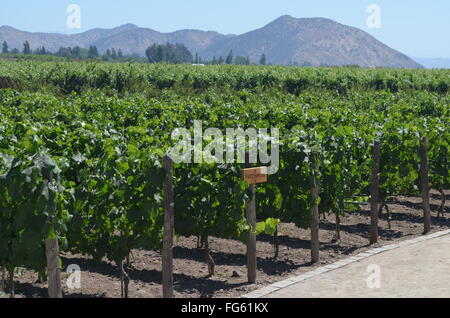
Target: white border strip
[{"x": 259, "y": 293}]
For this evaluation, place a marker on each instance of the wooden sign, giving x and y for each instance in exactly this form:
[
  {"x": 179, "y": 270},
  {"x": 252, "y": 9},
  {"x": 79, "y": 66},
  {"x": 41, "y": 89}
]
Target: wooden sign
[{"x": 255, "y": 175}]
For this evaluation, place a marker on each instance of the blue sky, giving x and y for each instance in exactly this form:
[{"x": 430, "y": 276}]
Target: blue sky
[{"x": 415, "y": 27}]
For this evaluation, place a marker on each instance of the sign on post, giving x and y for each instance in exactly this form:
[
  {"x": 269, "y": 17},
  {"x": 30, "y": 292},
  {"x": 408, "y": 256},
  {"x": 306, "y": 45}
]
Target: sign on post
[{"x": 255, "y": 175}]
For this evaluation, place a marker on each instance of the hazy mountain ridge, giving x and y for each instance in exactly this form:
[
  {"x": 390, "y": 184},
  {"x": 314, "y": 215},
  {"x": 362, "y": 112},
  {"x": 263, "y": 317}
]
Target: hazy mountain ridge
[
  {"x": 287, "y": 40},
  {"x": 437, "y": 62},
  {"x": 313, "y": 41}
]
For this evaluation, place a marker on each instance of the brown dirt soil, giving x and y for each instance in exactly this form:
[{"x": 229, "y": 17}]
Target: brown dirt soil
[
  {"x": 8, "y": 82},
  {"x": 101, "y": 279}
]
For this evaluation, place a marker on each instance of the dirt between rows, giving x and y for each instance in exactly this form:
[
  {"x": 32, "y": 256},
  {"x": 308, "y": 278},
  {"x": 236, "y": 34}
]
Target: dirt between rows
[{"x": 102, "y": 279}]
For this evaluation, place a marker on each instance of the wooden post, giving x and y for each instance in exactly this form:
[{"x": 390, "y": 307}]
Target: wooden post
[
  {"x": 124, "y": 280},
  {"x": 442, "y": 206},
  {"x": 12, "y": 292},
  {"x": 315, "y": 242},
  {"x": 374, "y": 192},
  {"x": 250, "y": 213},
  {"x": 424, "y": 181},
  {"x": 338, "y": 218},
  {"x": 53, "y": 273},
  {"x": 167, "y": 253},
  {"x": 2, "y": 287}
]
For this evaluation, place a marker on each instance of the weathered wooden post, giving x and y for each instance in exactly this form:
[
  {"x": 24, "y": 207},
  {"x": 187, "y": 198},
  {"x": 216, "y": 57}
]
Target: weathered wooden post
[
  {"x": 2, "y": 286},
  {"x": 11, "y": 284},
  {"x": 52, "y": 255},
  {"x": 315, "y": 242},
  {"x": 424, "y": 181},
  {"x": 252, "y": 176},
  {"x": 53, "y": 273},
  {"x": 251, "y": 244},
  {"x": 374, "y": 192},
  {"x": 250, "y": 214},
  {"x": 167, "y": 252}
]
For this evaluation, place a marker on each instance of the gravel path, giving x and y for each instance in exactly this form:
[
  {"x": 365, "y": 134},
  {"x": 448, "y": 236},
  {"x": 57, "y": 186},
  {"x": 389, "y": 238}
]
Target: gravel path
[{"x": 417, "y": 268}]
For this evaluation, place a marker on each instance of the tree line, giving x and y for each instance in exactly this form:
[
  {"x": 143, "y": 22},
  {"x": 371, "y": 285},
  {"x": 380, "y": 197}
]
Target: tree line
[
  {"x": 157, "y": 53},
  {"x": 91, "y": 53},
  {"x": 178, "y": 53},
  {"x": 239, "y": 60},
  {"x": 75, "y": 52},
  {"x": 26, "y": 49}
]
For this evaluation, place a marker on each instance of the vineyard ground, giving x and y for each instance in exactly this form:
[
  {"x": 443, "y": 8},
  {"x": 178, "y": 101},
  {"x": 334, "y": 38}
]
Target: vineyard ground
[{"x": 101, "y": 279}]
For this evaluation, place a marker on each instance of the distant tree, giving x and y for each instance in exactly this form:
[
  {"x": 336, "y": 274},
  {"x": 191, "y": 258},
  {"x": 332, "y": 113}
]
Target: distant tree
[
  {"x": 120, "y": 54},
  {"x": 196, "y": 61},
  {"x": 26, "y": 48},
  {"x": 263, "y": 59},
  {"x": 152, "y": 54},
  {"x": 214, "y": 61},
  {"x": 76, "y": 52},
  {"x": 64, "y": 52},
  {"x": 107, "y": 56},
  {"x": 114, "y": 54},
  {"x": 160, "y": 54},
  {"x": 15, "y": 51},
  {"x": 241, "y": 60},
  {"x": 93, "y": 52},
  {"x": 229, "y": 58},
  {"x": 83, "y": 53},
  {"x": 169, "y": 53},
  {"x": 221, "y": 60},
  {"x": 5, "y": 47},
  {"x": 40, "y": 51}
]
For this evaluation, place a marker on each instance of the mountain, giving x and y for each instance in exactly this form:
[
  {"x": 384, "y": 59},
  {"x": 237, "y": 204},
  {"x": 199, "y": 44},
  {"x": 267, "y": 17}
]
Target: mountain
[
  {"x": 312, "y": 41},
  {"x": 130, "y": 38},
  {"x": 439, "y": 62},
  {"x": 53, "y": 41},
  {"x": 287, "y": 40},
  {"x": 139, "y": 39}
]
